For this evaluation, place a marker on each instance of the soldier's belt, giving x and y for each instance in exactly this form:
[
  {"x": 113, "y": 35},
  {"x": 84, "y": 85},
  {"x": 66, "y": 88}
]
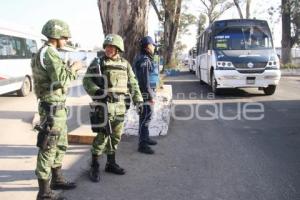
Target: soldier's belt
[
  {"x": 49, "y": 107},
  {"x": 115, "y": 97}
]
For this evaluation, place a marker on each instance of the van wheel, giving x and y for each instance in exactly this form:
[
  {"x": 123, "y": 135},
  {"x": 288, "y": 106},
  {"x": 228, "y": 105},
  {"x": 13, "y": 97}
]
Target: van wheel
[
  {"x": 270, "y": 90},
  {"x": 25, "y": 89},
  {"x": 214, "y": 84}
]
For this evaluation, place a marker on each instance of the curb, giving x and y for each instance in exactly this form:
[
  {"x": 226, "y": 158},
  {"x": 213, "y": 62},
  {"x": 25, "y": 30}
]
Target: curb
[{"x": 80, "y": 139}]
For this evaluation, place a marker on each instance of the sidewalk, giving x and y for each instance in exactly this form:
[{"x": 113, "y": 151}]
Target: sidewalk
[{"x": 290, "y": 72}]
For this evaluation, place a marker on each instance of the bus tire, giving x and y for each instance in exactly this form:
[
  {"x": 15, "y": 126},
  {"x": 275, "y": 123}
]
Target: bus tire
[
  {"x": 26, "y": 87},
  {"x": 270, "y": 90},
  {"x": 213, "y": 83}
]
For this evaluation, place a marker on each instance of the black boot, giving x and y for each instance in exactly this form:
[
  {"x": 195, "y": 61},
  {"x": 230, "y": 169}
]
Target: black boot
[
  {"x": 58, "y": 181},
  {"x": 144, "y": 148},
  {"x": 112, "y": 166},
  {"x": 151, "y": 142},
  {"x": 94, "y": 171},
  {"x": 45, "y": 191}
]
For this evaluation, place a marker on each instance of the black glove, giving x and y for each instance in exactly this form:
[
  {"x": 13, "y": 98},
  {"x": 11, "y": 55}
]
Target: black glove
[
  {"x": 139, "y": 107},
  {"x": 99, "y": 95}
]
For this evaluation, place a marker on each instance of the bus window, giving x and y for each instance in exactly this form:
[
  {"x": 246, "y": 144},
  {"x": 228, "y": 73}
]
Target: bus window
[{"x": 241, "y": 38}]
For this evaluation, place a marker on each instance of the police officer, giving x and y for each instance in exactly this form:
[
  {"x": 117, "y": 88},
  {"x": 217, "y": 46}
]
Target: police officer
[
  {"x": 110, "y": 89},
  {"x": 51, "y": 79},
  {"x": 142, "y": 67}
]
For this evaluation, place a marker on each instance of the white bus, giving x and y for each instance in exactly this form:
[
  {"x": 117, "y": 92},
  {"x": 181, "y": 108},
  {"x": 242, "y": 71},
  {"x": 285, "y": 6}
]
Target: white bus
[
  {"x": 238, "y": 53},
  {"x": 16, "y": 49}
]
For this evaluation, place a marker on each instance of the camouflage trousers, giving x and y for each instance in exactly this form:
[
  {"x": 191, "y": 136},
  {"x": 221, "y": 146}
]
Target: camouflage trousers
[
  {"x": 53, "y": 156},
  {"x": 108, "y": 144}
]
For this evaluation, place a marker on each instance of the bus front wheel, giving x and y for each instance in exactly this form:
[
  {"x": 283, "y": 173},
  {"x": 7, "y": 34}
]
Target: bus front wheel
[
  {"x": 25, "y": 89},
  {"x": 270, "y": 89},
  {"x": 214, "y": 84}
]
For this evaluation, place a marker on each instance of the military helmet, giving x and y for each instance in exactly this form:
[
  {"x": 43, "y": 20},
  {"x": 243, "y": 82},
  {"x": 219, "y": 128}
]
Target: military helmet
[
  {"x": 115, "y": 40},
  {"x": 56, "y": 29}
]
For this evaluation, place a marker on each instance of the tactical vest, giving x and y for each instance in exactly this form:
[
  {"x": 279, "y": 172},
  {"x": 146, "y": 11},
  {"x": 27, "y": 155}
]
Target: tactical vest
[{"x": 115, "y": 75}]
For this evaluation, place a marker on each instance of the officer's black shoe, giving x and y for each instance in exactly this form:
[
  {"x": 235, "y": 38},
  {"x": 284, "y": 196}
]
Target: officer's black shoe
[
  {"x": 144, "y": 148},
  {"x": 151, "y": 142},
  {"x": 112, "y": 167},
  {"x": 58, "y": 181},
  {"x": 45, "y": 192},
  {"x": 94, "y": 172}
]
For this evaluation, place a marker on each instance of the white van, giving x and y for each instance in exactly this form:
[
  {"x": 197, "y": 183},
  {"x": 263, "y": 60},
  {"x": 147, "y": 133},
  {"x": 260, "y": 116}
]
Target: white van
[{"x": 16, "y": 49}]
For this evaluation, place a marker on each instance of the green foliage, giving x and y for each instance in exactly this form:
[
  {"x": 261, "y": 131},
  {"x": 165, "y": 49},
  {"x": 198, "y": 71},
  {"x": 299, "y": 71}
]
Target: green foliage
[{"x": 289, "y": 66}]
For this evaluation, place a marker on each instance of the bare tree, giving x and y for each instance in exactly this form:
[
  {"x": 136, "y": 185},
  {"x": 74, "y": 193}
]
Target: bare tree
[
  {"x": 248, "y": 4},
  {"x": 286, "y": 44},
  {"x": 215, "y": 8},
  {"x": 237, "y": 5},
  {"x": 172, "y": 10},
  {"x": 127, "y": 18}
]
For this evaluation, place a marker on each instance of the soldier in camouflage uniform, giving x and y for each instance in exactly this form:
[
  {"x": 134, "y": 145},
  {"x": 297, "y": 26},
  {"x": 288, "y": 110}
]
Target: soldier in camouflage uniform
[
  {"x": 51, "y": 79},
  {"x": 110, "y": 89}
]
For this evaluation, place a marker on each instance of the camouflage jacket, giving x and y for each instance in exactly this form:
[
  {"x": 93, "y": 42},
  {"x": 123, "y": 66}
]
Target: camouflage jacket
[
  {"x": 51, "y": 75},
  {"x": 118, "y": 69}
]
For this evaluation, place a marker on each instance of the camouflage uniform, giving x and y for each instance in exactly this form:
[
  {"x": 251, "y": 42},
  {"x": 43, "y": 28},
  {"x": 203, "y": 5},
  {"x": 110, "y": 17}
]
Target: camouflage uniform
[
  {"x": 119, "y": 80},
  {"x": 51, "y": 78}
]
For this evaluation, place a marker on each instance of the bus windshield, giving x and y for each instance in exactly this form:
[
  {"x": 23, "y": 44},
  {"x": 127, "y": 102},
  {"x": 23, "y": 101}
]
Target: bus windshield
[{"x": 242, "y": 38}]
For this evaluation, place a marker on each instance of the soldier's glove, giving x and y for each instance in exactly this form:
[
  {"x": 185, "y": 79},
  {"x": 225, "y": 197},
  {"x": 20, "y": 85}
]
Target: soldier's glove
[
  {"x": 139, "y": 107},
  {"x": 99, "y": 95}
]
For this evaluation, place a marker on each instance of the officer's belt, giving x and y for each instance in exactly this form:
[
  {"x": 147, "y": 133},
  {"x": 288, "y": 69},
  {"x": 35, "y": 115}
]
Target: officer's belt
[{"x": 50, "y": 107}]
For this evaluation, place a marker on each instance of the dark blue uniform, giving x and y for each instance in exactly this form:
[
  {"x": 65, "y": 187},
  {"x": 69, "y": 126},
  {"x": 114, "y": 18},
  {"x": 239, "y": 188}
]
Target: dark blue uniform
[{"x": 142, "y": 68}]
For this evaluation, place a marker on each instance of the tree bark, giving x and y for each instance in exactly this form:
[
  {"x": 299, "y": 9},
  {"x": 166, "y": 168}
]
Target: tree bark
[
  {"x": 172, "y": 9},
  {"x": 248, "y": 4},
  {"x": 236, "y": 3},
  {"x": 129, "y": 19},
  {"x": 286, "y": 32}
]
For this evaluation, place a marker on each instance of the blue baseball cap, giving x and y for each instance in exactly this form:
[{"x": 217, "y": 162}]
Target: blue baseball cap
[{"x": 147, "y": 40}]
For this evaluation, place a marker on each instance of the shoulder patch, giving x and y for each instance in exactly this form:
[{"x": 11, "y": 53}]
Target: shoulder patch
[{"x": 42, "y": 56}]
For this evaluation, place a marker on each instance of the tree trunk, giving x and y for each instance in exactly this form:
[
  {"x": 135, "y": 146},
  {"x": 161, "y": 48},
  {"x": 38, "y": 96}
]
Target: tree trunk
[
  {"x": 286, "y": 33},
  {"x": 172, "y": 10},
  {"x": 129, "y": 19},
  {"x": 236, "y": 3},
  {"x": 248, "y": 4}
]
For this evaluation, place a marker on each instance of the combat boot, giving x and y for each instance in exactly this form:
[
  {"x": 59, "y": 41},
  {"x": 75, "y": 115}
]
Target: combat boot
[
  {"x": 144, "y": 148},
  {"x": 151, "y": 142},
  {"x": 45, "y": 192},
  {"x": 112, "y": 167},
  {"x": 94, "y": 172},
  {"x": 59, "y": 182}
]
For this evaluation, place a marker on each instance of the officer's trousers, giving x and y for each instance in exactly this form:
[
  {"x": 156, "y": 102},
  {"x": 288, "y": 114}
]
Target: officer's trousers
[
  {"x": 144, "y": 121},
  {"x": 53, "y": 156}
]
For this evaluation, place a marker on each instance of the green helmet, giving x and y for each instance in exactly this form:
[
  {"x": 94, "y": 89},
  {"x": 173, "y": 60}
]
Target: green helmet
[
  {"x": 115, "y": 40},
  {"x": 56, "y": 29}
]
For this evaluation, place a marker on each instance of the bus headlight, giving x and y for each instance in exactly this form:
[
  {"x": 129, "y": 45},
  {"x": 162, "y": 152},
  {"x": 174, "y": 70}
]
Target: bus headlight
[
  {"x": 224, "y": 65},
  {"x": 272, "y": 65}
]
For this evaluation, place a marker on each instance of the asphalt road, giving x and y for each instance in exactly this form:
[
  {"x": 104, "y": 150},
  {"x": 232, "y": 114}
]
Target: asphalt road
[
  {"x": 213, "y": 150},
  {"x": 241, "y": 145}
]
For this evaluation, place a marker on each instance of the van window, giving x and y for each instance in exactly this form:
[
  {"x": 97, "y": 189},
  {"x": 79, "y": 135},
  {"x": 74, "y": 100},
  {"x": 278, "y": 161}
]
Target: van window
[
  {"x": 31, "y": 48},
  {"x": 15, "y": 47}
]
